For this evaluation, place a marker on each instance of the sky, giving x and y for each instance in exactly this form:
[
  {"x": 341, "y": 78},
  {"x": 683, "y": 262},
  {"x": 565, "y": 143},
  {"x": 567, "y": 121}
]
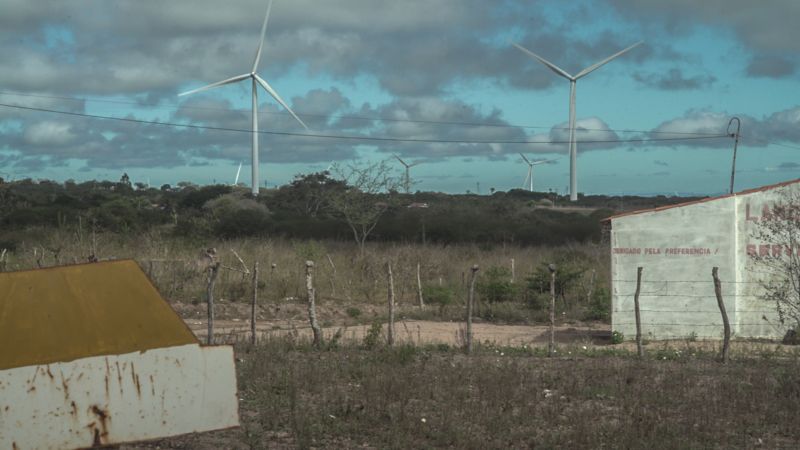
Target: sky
[{"x": 435, "y": 82}]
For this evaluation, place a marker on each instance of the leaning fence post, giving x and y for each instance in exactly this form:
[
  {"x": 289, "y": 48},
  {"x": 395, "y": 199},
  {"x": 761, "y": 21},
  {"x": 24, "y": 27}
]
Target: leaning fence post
[
  {"x": 312, "y": 309},
  {"x": 470, "y": 301},
  {"x": 639, "y": 348},
  {"x": 725, "y": 324},
  {"x": 551, "y": 346},
  {"x": 419, "y": 289},
  {"x": 253, "y": 305},
  {"x": 390, "y": 326},
  {"x": 213, "y": 272},
  {"x": 513, "y": 270}
]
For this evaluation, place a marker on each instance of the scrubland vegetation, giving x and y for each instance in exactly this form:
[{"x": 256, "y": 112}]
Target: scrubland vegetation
[{"x": 365, "y": 394}]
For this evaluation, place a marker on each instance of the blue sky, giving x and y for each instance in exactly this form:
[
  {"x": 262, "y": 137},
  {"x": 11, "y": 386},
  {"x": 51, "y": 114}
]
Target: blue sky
[{"x": 419, "y": 63}]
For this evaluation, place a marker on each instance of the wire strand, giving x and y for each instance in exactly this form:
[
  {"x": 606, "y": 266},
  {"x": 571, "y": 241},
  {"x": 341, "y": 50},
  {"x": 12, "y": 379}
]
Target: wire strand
[
  {"x": 361, "y": 118},
  {"x": 352, "y": 138}
]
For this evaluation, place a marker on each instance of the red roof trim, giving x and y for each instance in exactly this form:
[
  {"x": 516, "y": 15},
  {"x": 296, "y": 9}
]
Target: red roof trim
[{"x": 709, "y": 199}]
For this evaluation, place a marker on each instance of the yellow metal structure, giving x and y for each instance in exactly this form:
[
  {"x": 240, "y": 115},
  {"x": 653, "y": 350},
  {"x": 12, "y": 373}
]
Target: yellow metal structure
[{"x": 65, "y": 313}]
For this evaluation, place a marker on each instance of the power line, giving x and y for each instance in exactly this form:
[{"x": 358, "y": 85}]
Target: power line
[
  {"x": 356, "y": 138},
  {"x": 361, "y": 118},
  {"x": 765, "y": 141}
]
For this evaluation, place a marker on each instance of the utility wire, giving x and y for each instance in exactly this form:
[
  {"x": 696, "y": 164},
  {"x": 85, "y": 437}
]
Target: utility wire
[
  {"x": 346, "y": 117},
  {"x": 355, "y": 138}
]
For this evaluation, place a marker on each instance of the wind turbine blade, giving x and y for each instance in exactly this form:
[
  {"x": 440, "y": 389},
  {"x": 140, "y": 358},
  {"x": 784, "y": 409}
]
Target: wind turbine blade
[
  {"x": 415, "y": 164},
  {"x": 526, "y": 159},
  {"x": 277, "y": 98},
  {"x": 596, "y": 66},
  {"x": 218, "y": 83},
  {"x": 543, "y": 161},
  {"x": 401, "y": 161},
  {"x": 236, "y": 181},
  {"x": 551, "y": 66},
  {"x": 527, "y": 177},
  {"x": 261, "y": 41}
]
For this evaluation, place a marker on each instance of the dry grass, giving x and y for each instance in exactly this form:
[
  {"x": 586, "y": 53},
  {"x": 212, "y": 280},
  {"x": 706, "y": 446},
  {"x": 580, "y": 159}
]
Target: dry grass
[
  {"x": 343, "y": 277},
  {"x": 408, "y": 397}
]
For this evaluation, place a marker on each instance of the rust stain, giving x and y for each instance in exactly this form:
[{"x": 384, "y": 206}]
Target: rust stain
[
  {"x": 135, "y": 379},
  {"x": 74, "y": 411},
  {"x": 65, "y": 385},
  {"x": 14, "y": 446},
  {"x": 107, "y": 392},
  {"x": 152, "y": 386},
  {"x": 119, "y": 377},
  {"x": 49, "y": 374},
  {"x": 35, "y": 374},
  {"x": 32, "y": 388},
  {"x": 102, "y": 416}
]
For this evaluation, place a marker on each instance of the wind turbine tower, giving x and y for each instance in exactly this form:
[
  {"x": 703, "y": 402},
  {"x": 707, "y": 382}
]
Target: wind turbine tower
[
  {"x": 529, "y": 177},
  {"x": 573, "y": 79},
  {"x": 407, "y": 181},
  {"x": 256, "y": 80}
]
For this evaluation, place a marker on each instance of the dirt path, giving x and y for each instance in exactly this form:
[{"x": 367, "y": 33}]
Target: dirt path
[{"x": 417, "y": 332}]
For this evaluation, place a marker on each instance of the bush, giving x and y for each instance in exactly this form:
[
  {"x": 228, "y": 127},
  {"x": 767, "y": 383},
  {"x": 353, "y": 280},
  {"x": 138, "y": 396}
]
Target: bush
[
  {"x": 438, "y": 295},
  {"x": 617, "y": 337},
  {"x": 600, "y": 306},
  {"x": 495, "y": 286},
  {"x": 353, "y": 312}
]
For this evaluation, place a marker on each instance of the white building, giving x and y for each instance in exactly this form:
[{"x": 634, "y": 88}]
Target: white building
[{"x": 677, "y": 246}]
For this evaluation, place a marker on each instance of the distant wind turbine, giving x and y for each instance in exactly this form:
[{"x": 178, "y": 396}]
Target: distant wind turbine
[
  {"x": 407, "y": 181},
  {"x": 573, "y": 147},
  {"x": 529, "y": 177},
  {"x": 256, "y": 80}
]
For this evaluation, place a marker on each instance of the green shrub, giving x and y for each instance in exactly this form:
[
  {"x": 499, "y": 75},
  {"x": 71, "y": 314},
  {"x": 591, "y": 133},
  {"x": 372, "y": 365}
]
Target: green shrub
[
  {"x": 373, "y": 336},
  {"x": 600, "y": 306},
  {"x": 617, "y": 337},
  {"x": 438, "y": 295},
  {"x": 495, "y": 285},
  {"x": 353, "y": 312}
]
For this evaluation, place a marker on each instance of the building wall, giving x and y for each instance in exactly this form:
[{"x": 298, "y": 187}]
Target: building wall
[
  {"x": 757, "y": 317},
  {"x": 677, "y": 249}
]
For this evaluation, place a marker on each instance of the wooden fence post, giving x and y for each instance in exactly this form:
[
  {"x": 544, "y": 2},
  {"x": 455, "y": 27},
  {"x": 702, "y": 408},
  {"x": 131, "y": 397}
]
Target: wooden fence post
[
  {"x": 390, "y": 325},
  {"x": 312, "y": 309},
  {"x": 419, "y": 289},
  {"x": 513, "y": 270},
  {"x": 470, "y": 301},
  {"x": 725, "y": 324},
  {"x": 253, "y": 305},
  {"x": 639, "y": 348},
  {"x": 213, "y": 272},
  {"x": 551, "y": 346}
]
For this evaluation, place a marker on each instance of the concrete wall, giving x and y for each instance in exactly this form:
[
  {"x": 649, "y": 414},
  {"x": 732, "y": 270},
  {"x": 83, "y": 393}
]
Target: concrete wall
[
  {"x": 678, "y": 247},
  {"x": 757, "y": 317}
]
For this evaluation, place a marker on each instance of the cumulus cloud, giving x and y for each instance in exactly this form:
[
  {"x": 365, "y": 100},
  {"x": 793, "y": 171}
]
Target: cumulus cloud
[{"x": 781, "y": 126}]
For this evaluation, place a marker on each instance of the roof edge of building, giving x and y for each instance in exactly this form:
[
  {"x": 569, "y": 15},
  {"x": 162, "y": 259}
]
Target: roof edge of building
[{"x": 704, "y": 200}]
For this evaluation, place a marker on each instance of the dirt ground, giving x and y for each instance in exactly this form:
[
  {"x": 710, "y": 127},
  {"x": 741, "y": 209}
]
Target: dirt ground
[{"x": 415, "y": 332}]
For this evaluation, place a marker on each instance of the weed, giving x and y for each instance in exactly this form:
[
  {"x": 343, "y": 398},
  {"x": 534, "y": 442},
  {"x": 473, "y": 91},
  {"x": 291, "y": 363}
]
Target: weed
[{"x": 617, "y": 337}]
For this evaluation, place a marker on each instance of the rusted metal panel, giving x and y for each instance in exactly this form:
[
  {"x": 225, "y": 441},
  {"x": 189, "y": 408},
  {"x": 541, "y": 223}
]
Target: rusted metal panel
[
  {"x": 71, "y": 312},
  {"x": 114, "y": 399}
]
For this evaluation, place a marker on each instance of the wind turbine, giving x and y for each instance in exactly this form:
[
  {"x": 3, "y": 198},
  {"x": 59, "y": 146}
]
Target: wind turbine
[
  {"x": 255, "y": 80},
  {"x": 407, "y": 182},
  {"x": 573, "y": 147},
  {"x": 530, "y": 163}
]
